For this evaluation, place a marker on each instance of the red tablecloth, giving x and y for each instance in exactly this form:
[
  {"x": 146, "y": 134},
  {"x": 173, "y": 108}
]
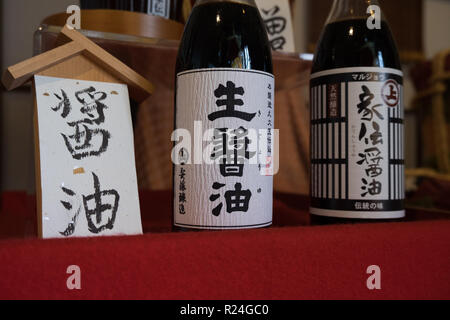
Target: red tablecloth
[{"x": 291, "y": 260}]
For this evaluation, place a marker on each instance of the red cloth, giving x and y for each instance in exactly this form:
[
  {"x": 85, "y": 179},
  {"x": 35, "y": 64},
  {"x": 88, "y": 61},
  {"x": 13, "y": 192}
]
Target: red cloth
[{"x": 289, "y": 261}]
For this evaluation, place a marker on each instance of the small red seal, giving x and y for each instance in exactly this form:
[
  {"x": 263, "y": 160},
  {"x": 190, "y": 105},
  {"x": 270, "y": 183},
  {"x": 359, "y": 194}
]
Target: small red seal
[{"x": 391, "y": 93}]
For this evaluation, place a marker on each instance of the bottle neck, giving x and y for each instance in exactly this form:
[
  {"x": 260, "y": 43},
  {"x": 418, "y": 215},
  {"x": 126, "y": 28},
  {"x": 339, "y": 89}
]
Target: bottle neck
[
  {"x": 251, "y": 3},
  {"x": 351, "y": 9}
]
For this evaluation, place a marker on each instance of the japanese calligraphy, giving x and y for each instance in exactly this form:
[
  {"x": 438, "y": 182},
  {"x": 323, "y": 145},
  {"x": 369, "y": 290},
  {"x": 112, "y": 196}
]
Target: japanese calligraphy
[
  {"x": 371, "y": 157},
  {"x": 73, "y": 208},
  {"x": 275, "y": 25},
  {"x": 64, "y": 103},
  {"x": 222, "y": 116},
  {"x": 182, "y": 191},
  {"x": 231, "y": 146},
  {"x": 230, "y": 101},
  {"x": 87, "y": 165},
  {"x": 237, "y": 200},
  {"x": 88, "y": 138},
  {"x": 100, "y": 216}
]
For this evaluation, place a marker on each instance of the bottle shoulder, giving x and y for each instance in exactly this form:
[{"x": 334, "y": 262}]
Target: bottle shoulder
[
  {"x": 350, "y": 43},
  {"x": 224, "y": 35}
]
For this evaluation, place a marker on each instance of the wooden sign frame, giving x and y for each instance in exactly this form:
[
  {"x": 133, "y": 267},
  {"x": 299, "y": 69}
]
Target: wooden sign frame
[{"x": 76, "y": 58}]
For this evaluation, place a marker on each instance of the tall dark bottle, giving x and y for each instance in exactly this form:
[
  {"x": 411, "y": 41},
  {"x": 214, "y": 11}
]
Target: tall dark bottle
[
  {"x": 357, "y": 158},
  {"x": 224, "y": 113}
]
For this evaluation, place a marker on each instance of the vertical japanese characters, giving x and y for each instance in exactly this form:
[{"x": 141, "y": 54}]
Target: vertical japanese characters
[
  {"x": 235, "y": 184},
  {"x": 87, "y": 139},
  {"x": 356, "y": 131},
  {"x": 277, "y": 18}
]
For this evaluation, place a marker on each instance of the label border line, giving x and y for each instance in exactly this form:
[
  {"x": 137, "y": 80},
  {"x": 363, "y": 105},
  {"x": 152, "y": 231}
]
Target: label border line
[
  {"x": 356, "y": 69},
  {"x": 224, "y": 227},
  {"x": 183, "y": 73}
]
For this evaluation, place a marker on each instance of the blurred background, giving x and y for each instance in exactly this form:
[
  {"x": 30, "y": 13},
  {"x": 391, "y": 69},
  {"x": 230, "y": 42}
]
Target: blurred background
[{"x": 421, "y": 29}]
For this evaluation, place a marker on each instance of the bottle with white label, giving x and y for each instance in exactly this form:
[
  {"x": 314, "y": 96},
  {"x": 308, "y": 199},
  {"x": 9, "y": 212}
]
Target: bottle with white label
[
  {"x": 224, "y": 117},
  {"x": 357, "y": 127}
]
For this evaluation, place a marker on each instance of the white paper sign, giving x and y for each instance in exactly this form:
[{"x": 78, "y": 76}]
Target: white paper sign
[
  {"x": 276, "y": 15},
  {"x": 88, "y": 173}
]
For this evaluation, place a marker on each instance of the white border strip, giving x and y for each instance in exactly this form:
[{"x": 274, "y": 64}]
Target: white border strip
[
  {"x": 223, "y": 228},
  {"x": 356, "y": 69},
  {"x": 358, "y": 214},
  {"x": 226, "y": 70}
]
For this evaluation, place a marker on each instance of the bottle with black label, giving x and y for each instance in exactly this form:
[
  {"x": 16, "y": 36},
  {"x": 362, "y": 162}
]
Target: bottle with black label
[
  {"x": 357, "y": 128},
  {"x": 224, "y": 113}
]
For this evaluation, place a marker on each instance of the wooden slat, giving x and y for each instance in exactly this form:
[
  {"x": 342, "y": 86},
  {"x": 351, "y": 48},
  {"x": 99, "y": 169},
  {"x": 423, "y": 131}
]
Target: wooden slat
[
  {"x": 123, "y": 22},
  {"x": 19, "y": 74},
  {"x": 77, "y": 44},
  {"x": 140, "y": 87}
]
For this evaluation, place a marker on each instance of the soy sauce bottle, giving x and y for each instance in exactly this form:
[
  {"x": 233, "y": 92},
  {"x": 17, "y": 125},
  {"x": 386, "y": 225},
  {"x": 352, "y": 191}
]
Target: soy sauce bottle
[
  {"x": 224, "y": 88},
  {"x": 357, "y": 157}
]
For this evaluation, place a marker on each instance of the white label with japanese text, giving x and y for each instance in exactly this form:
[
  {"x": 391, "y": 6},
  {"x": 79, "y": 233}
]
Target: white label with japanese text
[
  {"x": 86, "y": 153},
  {"x": 220, "y": 182}
]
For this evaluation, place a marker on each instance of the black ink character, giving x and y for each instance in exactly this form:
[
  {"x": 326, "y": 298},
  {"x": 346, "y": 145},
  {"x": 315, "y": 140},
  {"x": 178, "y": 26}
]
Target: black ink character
[
  {"x": 372, "y": 158},
  {"x": 363, "y": 132},
  {"x": 277, "y": 43},
  {"x": 273, "y": 11},
  {"x": 230, "y": 91},
  {"x": 97, "y": 220},
  {"x": 373, "y": 188},
  {"x": 370, "y": 155},
  {"x": 182, "y": 174},
  {"x": 88, "y": 139},
  {"x": 232, "y": 147},
  {"x": 216, "y": 211},
  {"x": 182, "y": 186},
  {"x": 275, "y": 24},
  {"x": 74, "y": 210},
  {"x": 363, "y": 107},
  {"x": 182, "y": 199},
  {"x": 92, "y": 105},
  {"x": 374, "y": 170},
  {"x": 376, "y": 137},
  {"x": 237, "y": 200},
  {"x": 86, "y": 142},
  {"x": 64, "y": 103}
]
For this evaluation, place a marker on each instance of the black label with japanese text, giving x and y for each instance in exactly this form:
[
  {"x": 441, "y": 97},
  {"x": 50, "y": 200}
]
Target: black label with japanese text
[{"x": 357, "y": 143}]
